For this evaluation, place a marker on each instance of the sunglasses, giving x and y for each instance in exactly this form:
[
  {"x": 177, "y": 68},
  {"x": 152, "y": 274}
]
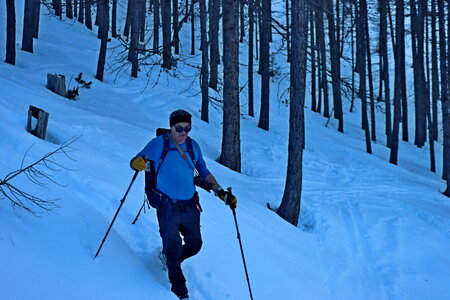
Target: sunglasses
[{"x": 181, "y": 129}]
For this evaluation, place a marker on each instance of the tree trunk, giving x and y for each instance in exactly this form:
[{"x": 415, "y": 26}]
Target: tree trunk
[
  {"x": 142, "y": 14},
  {"x": 28, "y": 29},
  {"x": 133, "y": 52},
  {"x": 167, "y": 50},
  {"x": 398, "y": 52},
  {"x": 114, "y": 19},
  {"x": 75, "y": 9},
  {"x": 323, "y": 63},
  {"x": 335, "y": 68},
  {"x": 88, "y": 13},
  {"x": 361, "y": 53},
  {"x": 251, "y": 21},
  {"x": 81, "y": 12},
  {"x": 176, "y": 36},
  {"x": 192, "y": 27},
  {"x": 242, "y": 20},
  {"x": 231, "y": 152},
  {"x": 69, "y": 11},
  {"x": 10, "y": 32},
  {"x": 444, "y": 96},
  {"x": 434, "y": 71},
  {"x": 288, "y": 33},
  {"x": 265, "y": 59},
  {"x": 382, "y": 6},
  {"x": 57, "y": 6},
  {"x": 370, "y": 77},
  {"x": 156, "y": 25},
  {"x": 290, "y": 204},
  {"x": 214, "y": 12},
  {"x": 204, "y": 69},
  {"x": 103, "y": 6},
  {"x": 313, "y": 62}
]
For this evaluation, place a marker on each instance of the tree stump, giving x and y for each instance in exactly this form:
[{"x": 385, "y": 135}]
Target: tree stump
[
  {"x": 57, "y": 84},
  {"x": 40, "y": 130}
]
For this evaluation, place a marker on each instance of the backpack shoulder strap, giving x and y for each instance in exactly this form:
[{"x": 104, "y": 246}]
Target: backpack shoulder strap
[
  {"x": 190, "y": 149},
  {"x": 165, "y": 150}
]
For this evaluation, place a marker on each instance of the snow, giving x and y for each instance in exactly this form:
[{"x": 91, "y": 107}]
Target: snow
[{"x": 368, "y": 229}]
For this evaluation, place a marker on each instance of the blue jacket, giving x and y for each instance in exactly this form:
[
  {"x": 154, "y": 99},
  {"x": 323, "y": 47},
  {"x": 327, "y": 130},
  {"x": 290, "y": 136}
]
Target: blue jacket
[{"x": 175, "y": 176}]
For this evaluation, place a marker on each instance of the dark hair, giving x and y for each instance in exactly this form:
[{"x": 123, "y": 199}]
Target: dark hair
[{"x": 179, "y": 116}]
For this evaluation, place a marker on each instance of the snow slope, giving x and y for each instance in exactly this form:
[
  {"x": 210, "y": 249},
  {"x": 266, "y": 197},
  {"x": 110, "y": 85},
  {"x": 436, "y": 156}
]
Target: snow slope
[{"x": 369, "y": 230}]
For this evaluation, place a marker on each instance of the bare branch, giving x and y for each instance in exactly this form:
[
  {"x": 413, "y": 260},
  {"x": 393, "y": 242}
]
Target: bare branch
[{"x": 39, "y": 173}]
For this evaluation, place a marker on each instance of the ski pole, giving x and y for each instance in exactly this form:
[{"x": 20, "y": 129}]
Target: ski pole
[
  {"x": 240, "y": 245},
  {"x": 114, "y": 218}
]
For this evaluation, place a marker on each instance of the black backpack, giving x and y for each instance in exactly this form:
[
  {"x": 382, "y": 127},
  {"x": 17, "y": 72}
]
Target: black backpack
[{"x": 156, "y": 198}]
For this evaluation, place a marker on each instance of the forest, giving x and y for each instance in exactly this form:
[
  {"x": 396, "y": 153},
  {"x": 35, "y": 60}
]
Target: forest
[{"x": 389, "y": 56}]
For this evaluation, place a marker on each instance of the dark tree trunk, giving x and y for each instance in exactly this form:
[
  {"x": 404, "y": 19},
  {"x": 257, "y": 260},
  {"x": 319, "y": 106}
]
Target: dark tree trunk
[
  {"x": 313, "y": 62},
  {"x": 323, "y": 63},
  {"x": 156, "y": 25},
  {"x": 103, "y": 13},
  {"x": 214, "y": 12},
  {"x": 10, "y": 32},
  {"x": 370, "y": 77},
  {"x": 28, "y": 28},
  {"x": 398, "y": 52},
  {"x": 176, "y": 36},
  {"x": 251, "y": 21},
  {"x": 382, "y": 6},
  {"x": 75, "y": 9},
  {"x": 135, "y": 28},
  {"x": 434, "y": 71},
  {"x": 290, "y": 204},
  {"x": 81, "y": 12},
  {"x": 444, "y": 96},
  {"x": 231, "y": 149},
  {"x": 57, "y": 6},
  {"x": 36, "y": 17},
  {"x": 127, "y": 26},
  {"x": 69, "y": 11},
  {"x": 167, "y": 50},
  {"x": 88, "y": 13},
  {"x": 319, "y": 66},
  {"x": 204, "y": 69},
  {"x": 114, "y": 19},
  {"x": 288, "y": 32},
  {"x": 361, "y": 53},
  {"x": 335, "y": 68},
  {"x": 242, "y": 20},
  {"x": 192, "y": 27},
  {"x": 265, "y": 59},
  {"x": 142, "y": 14}
]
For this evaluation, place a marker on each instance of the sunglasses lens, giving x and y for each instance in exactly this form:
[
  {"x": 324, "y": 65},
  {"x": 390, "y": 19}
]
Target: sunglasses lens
[{"x": 181, "y": 129}]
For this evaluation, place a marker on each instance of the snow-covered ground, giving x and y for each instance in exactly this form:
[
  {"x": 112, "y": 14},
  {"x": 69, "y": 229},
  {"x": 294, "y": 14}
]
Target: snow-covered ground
[{"x": 369, "y": 230}]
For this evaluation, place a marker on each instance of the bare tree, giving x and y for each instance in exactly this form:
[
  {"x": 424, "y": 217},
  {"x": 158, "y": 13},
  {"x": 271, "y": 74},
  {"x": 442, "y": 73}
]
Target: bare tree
[
  {"x": 10, "y": 32},
  {"x": 251, "y": 32},
  {"x": 361, "y": 14},
  {"x": 39, "y": 173},
  {"x": 175, "y": 26},
  {"x": 214, "y": 12},
  {"x": 231, "y": 148},
  {"x": 204, "y": 69},
  {"x": 156, "y": 25},
  {"x": 28, "y": 26},
  {"x": 290, "y": 204},
  {"x": 103, "y": 6},
  {"x": 384, "y": 69},
  {"x": 167, "y": 49},
  {"x": 264, "y": 63}
]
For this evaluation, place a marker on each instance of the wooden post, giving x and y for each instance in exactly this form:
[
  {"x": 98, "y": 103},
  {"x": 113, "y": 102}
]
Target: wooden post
[
  {"x": 57, "y": 84},
  {"x": 40, "y": 130}
]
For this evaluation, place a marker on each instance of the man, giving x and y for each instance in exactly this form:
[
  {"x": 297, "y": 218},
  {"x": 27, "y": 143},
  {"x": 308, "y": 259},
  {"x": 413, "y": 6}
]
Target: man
[{"x": 171, "y": 190}]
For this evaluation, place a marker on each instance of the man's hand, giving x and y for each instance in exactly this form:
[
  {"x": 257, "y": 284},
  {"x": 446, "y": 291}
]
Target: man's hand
[
  {"x": 139, "y": 164},
  {"x": 227, "y": 197}
]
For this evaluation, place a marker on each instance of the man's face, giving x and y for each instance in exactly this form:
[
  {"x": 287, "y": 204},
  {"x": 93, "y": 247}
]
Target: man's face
[{"x": 179, "y": 133}]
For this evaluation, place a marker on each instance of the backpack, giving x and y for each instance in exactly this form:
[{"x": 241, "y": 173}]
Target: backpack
[{"x": 156, "y": 198}]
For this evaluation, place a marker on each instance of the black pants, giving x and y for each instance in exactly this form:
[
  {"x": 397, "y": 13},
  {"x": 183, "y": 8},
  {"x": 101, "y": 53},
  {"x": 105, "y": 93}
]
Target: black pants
[{"x": 176, "y": 221}]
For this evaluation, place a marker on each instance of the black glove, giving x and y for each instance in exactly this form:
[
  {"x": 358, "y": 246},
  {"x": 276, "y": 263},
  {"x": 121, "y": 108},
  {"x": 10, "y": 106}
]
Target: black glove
[{"x": 227, "y": 197}]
